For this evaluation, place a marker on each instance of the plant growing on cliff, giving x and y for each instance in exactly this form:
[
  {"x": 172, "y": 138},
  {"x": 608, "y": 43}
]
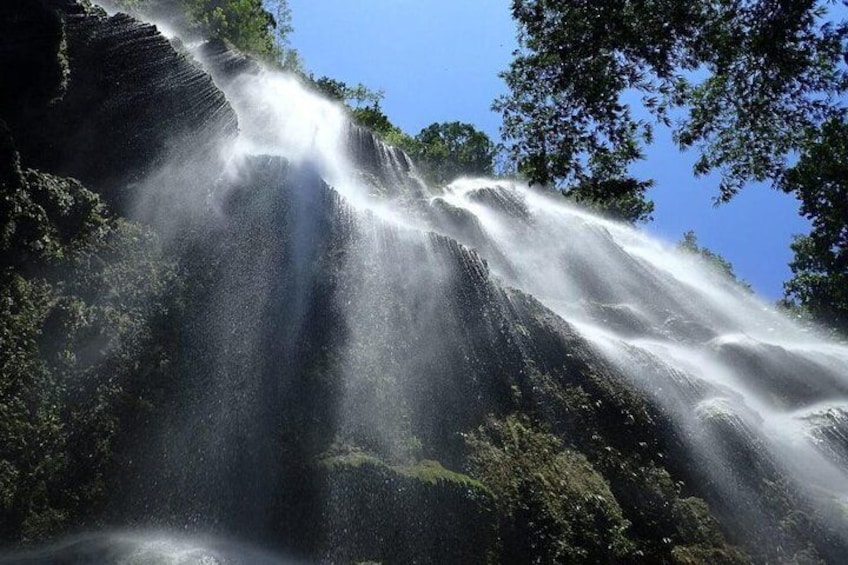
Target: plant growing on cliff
[
  {"x": 554, "y": 506},
  {"x": 246, "y": 23},
  {"x": 689, "y": 244},
  {"x": 255, "y": 27},
  {"x": 78, "y": 295}
]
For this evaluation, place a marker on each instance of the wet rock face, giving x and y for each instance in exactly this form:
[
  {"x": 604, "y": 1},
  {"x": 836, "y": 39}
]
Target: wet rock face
[
  {"x": 418, "y": 514},
  {"x": 33, "y": 67},
  {"x": 788, "y": 378},
  {"x": 829, "y": 430},
  {"x": 115, "y": 98},
  {"x": 504, "y": 200},
  {"x": 223, "y": 62},
  {"x": 386, "y": 168}
]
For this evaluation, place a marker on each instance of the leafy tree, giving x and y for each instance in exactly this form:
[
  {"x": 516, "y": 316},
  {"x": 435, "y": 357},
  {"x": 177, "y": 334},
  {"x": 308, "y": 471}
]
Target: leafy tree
[
  {"x": 719, "y": 263},
  {"x": 750, "y": 76},
  {"x": 353, "y": 96},
  {"x": 819, "y": 179},
  {"x": 373, "y": 118},
  {"x": 450, "y": 149},
  {"x": 619, "y": 198},
  {"x": 245, "y": 23},
  {"x": 253, "y": 26},
  {"x": 362, "y": 103},
  {"x": 442, "y": 150}
]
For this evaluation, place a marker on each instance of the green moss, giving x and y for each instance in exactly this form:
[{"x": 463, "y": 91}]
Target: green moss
[
  {"x": 426, "y": 471},
  {"x": 695, "y": 524},
  {"x": 554, "y": 506},
  {"x": 698, "y": 554},
  {"x": 432, "y": 472},
  {"x": 416, "y": 513}
]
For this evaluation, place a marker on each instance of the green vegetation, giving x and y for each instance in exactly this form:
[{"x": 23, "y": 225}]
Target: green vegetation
[
  {"x": 819, "y": 285},
  {"x": 719, "y": 263},
  {"x": 247, "y": 24},
  {"x": 621, "y": 435},
  {"x": 451, "y": 149},
  {"x": 621, "y": 199},
  {"x": 752, "y": 78},
  {"x": 426, "y": 470},
  {"x": 362, "y": 103},
  {"x": 411, "y": 514},
  {"x": 554, "y": 506},
  {"x": 79, "y": 295},
  {"x": 748, "y": 84}
]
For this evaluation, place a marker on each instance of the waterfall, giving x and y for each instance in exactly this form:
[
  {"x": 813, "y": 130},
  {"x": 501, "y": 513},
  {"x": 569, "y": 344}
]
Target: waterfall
[
  {"x": 706, "y": 347},
  {"x": 345, "y": 315},
  {"x": 740, "y": 382}
]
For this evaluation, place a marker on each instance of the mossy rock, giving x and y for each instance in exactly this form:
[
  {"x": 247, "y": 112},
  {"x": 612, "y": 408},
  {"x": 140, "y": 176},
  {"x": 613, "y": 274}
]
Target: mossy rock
[
  {"x": 698, "y": 554},
  {"x": 553, "y": 505},
  {"x": 421, "y": 513}
]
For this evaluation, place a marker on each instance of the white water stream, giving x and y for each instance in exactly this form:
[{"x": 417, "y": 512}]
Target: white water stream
[{"x": 700, "y": 344}]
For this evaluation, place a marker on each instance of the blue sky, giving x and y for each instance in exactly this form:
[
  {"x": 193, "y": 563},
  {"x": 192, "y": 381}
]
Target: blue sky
[{"x": 438, "y": 60}]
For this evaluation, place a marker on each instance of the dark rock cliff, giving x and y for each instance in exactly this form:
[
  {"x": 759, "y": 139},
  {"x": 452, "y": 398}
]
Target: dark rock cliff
[{"x": 102, "y": 99}]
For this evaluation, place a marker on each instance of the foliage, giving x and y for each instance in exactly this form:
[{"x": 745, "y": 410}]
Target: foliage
[
  {"x": 247, "y": 24},
  {"x": 243, "y": 22},
  {"x": 719, "y": 263},
  {"x": 619, "y": 198},
  {"x": 623, "y": 438},
  {"x": 362, "y": 103},
  {"x": 750, "y": 76},
  {"x": 372, "y": 118},
  {"x": 29, "y": 411},
  {"x": 443, "y": 151},
  {"x": 554, "y": 506},
  {"x": 355, "y": 96},
  {"x": 41, "y": 216},
  {"x": 450, "y": 149},
  {"x": 819, "y": 179},
  {"x": 421, "y": 513},
  {"x": 78, "y": 291}
]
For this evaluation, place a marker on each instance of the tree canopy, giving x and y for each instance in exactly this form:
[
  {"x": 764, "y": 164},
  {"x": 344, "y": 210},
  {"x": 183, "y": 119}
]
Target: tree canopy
[
  {"x": 819, "y": 179},
  {"x": 450, "y": 149},
  {"x": 620, "y": 198},
  {"x": 689, "y": 244},
  {"x": 751, "y": 85},
  {"x": 742, "y": 81},
  {"x": 253, "y": 26}
]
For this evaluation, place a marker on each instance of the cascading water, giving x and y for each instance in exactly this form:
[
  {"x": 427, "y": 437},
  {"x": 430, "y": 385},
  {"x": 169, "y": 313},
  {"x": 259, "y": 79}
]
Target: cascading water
[
  {"x": 345, "y": 303},
  {"x": 706, "y": 347},
  {"x": 723, "y": 362},
  {"x": 742, "y": 382}
]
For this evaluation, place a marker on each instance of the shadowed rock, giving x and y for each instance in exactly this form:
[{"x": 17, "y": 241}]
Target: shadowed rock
[{"x": 114, "y": 98}]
